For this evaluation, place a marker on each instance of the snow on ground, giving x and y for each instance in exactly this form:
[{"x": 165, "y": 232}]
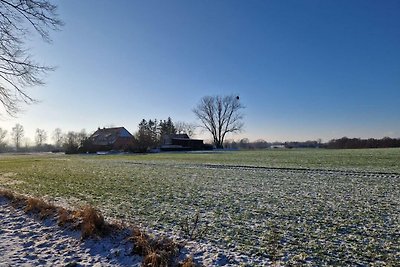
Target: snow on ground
[
  {"x": 28, "y": 241},
  {"x": 25, "y": 240}
]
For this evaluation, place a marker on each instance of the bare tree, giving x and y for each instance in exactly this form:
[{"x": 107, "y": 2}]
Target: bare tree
[
  {"x": 57, "y": 137},
  {"x": 17, "y": 134},
  {"x": 27, "y": 143},
  {"x": 40, "y": 137},
  {"x": 19, "y": 19},
  {"x": 82, "y": 136},
  {"x": 185, "y": 128},
  {"x": 71, "y": 142},
  {"x": 220, "y": 115},
  {"x": 3, "y": 143}
]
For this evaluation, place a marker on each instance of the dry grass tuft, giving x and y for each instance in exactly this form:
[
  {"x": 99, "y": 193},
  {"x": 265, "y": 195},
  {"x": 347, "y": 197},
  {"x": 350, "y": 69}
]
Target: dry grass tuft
[
  {"x": 92, "y": 223},
  {"x": 188, "y": 262},
  {"x": 141, "y": 242},
  {"x": 7, "y": 194},
  {"x": 15, "y": 200},
  {"x": 154, "y": 259},
  {"x": 64, "y": 217},
  {"x": 156, "y": 252},
  {"x": 88, "y": 219},
  {"x": 38, "y": 206}
]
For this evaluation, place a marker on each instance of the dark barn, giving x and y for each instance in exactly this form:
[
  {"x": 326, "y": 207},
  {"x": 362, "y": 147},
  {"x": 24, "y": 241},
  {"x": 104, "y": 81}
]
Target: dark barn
[
  {"x": 177, "y": 142},
  {"x": 106, "y": 139}
]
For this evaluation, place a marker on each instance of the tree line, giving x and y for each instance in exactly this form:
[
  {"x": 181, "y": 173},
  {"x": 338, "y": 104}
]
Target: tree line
[
  {"x": 150, "y": 133},
  {"x": 245, "y": 143},
  {"x": 345, "y": 142},
  {"x": 341, "y": 143},
  {"x": 148, "y": 136},
  {"x": 61, "y": 141}
]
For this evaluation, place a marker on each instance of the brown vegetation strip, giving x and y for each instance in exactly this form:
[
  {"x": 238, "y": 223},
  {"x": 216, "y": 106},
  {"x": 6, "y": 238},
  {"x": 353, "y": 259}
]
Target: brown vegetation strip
[{"x": 156, "y": 252}]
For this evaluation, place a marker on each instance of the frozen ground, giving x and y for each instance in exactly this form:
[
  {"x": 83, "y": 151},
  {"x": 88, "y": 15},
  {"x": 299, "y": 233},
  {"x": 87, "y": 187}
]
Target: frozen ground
[{"x": 27, "y": 241}]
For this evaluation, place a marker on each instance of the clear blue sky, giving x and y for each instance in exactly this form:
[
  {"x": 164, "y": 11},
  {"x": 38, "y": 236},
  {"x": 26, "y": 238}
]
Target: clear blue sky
[{"x": 303, "y": 69}]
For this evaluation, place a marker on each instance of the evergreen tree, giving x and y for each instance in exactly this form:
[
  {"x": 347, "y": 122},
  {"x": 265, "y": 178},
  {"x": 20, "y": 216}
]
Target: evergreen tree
[{"x": 167, "y": 127}]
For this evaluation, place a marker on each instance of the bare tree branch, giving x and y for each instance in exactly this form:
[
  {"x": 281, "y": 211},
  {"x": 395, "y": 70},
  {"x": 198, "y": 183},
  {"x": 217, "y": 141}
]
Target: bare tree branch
[
  {"x": 185, "y": 128},
  {"x": 18, "y": 19}
]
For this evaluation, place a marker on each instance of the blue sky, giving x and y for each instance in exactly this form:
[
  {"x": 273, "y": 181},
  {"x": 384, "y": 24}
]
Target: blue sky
[{"x": 303, "y": 69}]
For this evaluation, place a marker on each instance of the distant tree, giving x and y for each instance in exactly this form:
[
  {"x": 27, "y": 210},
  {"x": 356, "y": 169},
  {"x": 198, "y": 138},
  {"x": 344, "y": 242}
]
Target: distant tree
[
  {"x": 40, "y": 137},
  {"x": 3, "y": 143},
  {"x": 372, "y": 143},
  {"x": 74, "y": 141},
  {"x": 154, "y": 130},
  {"x": 147, "y": 136},
  {"x": 82, "y": 136},
  {"x": 260, "y": 143},
  {"x": 185, "y": 128},
  {"x": 151, "y": 133},
  {"x": 319, "y": 142},
  {"x": 17, "y": 134},
  {"x": 386, "y": 142},
  {"x": 345, "y": 142},
  {"x": 57, "y": 137},
  {"x": 27, "y": 145},
  {"x": 71, "y": 142},
  {"x": 18, "y": 19},
  {"x": 231, "y": 144},
  {"x": 244, "y": 143},
  {"x": 166, "y": 127},
  {"x": 220, "y": 115}
]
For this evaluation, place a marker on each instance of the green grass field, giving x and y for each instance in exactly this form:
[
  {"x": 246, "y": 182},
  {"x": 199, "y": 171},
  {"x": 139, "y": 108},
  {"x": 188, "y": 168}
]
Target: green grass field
[{"x": 295, "y": 216}]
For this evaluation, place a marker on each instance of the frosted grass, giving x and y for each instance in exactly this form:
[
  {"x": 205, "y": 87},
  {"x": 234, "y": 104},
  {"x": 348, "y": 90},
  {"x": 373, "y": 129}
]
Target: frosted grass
[{"x": 251, "y": 216}]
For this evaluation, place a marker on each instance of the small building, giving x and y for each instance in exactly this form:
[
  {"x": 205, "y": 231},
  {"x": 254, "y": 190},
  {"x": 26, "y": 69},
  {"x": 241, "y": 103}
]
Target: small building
[
  {"x": 180, "y": 142},
  {"x": 106, "y": 139}
]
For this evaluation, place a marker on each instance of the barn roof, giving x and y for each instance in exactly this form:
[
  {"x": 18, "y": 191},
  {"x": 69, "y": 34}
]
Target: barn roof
[{"x": 107, "y": 136}]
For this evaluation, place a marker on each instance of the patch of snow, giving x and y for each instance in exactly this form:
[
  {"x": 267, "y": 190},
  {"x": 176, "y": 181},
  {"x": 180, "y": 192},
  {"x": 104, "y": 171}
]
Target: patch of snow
[{"x": 28, "y": 241}]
